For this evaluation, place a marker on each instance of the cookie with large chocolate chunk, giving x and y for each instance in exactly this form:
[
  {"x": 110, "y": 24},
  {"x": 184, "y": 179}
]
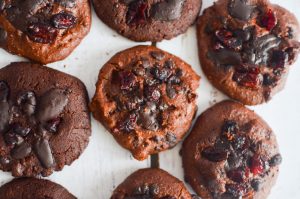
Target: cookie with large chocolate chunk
[
  {"x": 246, "y": 48},
  {"x": 151, "y": 183},
  {"x": 44, "y": 119},
  {"x": 29, "y": 188},
  {"x": 231, "y": 153},
  {"x": 43, "y": 30},
  {"x": 148, "y": 20},
  {"x": 146, "y": 98}
]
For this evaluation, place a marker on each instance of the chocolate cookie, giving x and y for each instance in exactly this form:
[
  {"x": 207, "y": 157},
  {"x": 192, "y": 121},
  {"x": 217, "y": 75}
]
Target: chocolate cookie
[
  {"x": 43, "y": 30},
  {"x": 146, "y": 98},
  {"x": 151, "y": 183},
  {"x": 44, "y": 119},
  {"x": 148, "y": 20},
  {"x": 246, "y": 48},
  {"x": 231, "y": 153},
  {"x": 29, "y": 188}
]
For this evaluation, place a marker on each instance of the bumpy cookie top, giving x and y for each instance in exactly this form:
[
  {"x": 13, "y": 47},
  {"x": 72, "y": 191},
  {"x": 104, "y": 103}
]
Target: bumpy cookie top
[
  {"x": 251, "y": 44},
  {"x": 231, "y": 153},
  {"x": 146, "y": 98}
]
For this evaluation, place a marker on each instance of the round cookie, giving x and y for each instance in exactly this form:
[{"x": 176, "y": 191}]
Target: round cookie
[
  {"x": 246, "y": 48},
  {"x": 231, "y": 153},
  {"x": 151, "y": 183},
  {"x": 44, "y": 119},
  {"x": 29, "y": 188},
  {"x": 146, "y": 98},
  {"x": 43, "y": 30},
  {"x": 148, "y": 20}
]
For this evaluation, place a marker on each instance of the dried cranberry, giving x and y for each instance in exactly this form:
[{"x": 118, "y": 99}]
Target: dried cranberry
[
  {"x": 137, "y": 13},
  {"x": 278, "y": 59},
  {"x": 63, "y": 20},
  {"x": 52, "y": 125},
  {"x": 227, "y": 38},
  {"x": 152, "y": 93},
  {"x": 128, "y": 124},
  {"x": 41, "y": 33},
  {"x": 256, "y": 165},
  {"x": 214, "y": 155},
  {"x": 275, "y": 160},
  {"x": 127, "y": 80},
  {"x": 249, "y": 77},
  {"x": 268, "y": 20},
  {"x": 238, "y": 175}
]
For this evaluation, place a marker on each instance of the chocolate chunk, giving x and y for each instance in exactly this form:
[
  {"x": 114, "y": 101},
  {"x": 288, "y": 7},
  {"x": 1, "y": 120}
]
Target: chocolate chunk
[
  {"x": 66, "y": 3},
  {"x": 225, "y": 57},
  {"x": 275, "y": 160},
  {"x": 12, "y": 139},
  {"x": 20, "y": 130},
  {"x": 171, "y": 138},
  {"x": 51, "y": 104},
  {"x": 241, "y": 9},
  {"x": 171, "y": 92},
  {"x": 147, "y": 118},
  {"x": 214, "y": 155},
  {"x": 43, "y": 151},
  {"x": 27, "y": 102},
  {"x": 167, "y": 10},
  {"x": 157, "y": 55},
  {"x": 4, "y": 106},
  {"x": 4, "y": 160},
  {"x": 21, "y": 151},
  {"x": 2, "y": 5}
]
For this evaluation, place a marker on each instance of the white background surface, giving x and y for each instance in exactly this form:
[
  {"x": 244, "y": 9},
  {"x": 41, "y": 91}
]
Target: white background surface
[{"x": 104, "y": 164}]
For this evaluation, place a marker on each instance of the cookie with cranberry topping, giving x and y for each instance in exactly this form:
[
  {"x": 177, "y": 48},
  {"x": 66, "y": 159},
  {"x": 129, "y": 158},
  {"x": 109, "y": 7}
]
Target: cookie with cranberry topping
[
  {"x": 231, "y": 153},
  {"x": 43, "y": 30},
  {"x": 146, "y": 98},
  {"x": 151, "y": 183},
  {"x": 44, "y": 119},
  {"x": 28, "y": 188},
  {"x": 148, "y": 20},
  {"x": 246, "y": 48}
]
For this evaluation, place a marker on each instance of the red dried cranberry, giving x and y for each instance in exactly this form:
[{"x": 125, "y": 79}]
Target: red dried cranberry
[
  {"x": 214, "y": 155},
  {"x": 278, "y": 59},
  {"x": 227, "y": 38},
  {"x": 137, "y": 13},
  {"x": 63, "y": 20},
  {"x": 257, "y": 165},
  {"x": 52, "y": 125},
  {"x": 41, "y": 33},
  {"x": 268, "y": 20},
  {"x": 238, "y": 175},
  {"x": 127, "y": 80},
  {"x": 249, "y": 77},
  {"x": 152, "y": 93}
]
